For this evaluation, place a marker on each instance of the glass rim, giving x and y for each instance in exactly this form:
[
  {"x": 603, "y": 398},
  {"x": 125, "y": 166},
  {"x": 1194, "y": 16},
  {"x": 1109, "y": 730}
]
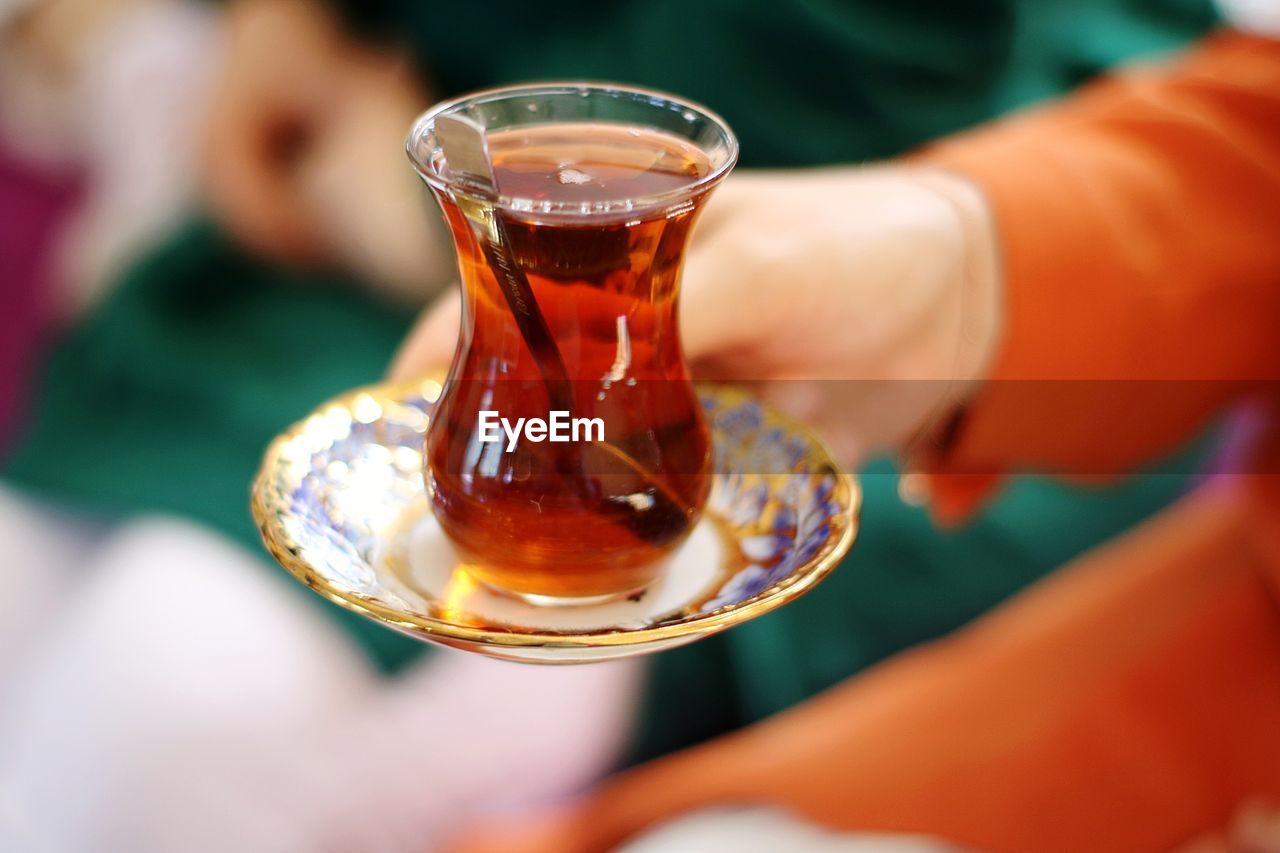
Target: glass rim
[{"x": 422, "y": 127}]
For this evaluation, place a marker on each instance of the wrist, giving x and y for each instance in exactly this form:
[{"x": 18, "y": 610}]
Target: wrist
[
  {"x": 967, "y": 336},
  {"x": 979, "y": 301}
]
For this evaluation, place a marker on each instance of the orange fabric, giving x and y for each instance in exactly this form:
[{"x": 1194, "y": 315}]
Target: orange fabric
[
  {"x": 1126, "y": 704},
  {"x": 1133, "y": 700},
  {"x": 1139, "y": 224}
]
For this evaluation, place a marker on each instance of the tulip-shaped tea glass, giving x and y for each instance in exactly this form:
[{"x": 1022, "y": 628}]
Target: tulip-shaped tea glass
[{"x": 569, "y": 456}]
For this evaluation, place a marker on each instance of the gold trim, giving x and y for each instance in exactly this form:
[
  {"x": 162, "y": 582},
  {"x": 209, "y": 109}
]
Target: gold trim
[{"x": 846, "y": 493}]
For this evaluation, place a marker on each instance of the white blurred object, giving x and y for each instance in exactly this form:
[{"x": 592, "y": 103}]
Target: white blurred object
[
  {"x": 770, "y": 831},
  {"x": 165, "y": 710},
  {"x": 465, "y": 737},
  {"x": 42, "y": 550},
  {"x": 187, "y": 698},
  {"x": 1256, "y": 16}
]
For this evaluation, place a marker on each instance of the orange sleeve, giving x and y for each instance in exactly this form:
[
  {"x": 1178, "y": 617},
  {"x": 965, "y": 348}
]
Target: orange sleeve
[
  {"x": 1139, "y": 225},
  {"x": 1127, "y": 703}
]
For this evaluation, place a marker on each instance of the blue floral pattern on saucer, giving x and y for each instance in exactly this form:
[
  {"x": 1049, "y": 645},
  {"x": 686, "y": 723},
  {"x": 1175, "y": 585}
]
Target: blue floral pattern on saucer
[{"x": 340, "y": 503}]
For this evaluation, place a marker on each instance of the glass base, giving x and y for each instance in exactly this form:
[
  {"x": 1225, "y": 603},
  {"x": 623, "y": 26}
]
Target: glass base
[{"x": 566, "y": 600}]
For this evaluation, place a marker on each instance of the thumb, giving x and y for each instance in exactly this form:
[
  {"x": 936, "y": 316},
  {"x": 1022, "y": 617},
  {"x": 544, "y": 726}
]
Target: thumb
[{"x": 432, "y": 340}]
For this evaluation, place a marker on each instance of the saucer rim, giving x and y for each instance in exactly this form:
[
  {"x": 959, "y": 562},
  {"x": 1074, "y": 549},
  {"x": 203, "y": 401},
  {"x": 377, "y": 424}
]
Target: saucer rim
[{"x": 847, "y": 493}]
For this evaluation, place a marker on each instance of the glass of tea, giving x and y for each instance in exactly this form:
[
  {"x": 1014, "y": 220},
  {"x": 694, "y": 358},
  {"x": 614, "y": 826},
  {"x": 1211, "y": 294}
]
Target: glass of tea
[{"x": 568, "y": 455}]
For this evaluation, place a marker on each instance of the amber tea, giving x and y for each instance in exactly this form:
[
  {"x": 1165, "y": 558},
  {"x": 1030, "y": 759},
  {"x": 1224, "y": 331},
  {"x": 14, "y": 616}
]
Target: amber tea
[{"x": 569, "y": 455}]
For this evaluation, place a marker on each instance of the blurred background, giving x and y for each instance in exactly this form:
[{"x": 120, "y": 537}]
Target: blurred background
[{"x": 207, "y": 226}]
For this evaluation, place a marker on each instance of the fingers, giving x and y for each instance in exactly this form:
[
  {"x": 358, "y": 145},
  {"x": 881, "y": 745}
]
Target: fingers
[
  {"x": 714, "y": 318},
  {"x": 716, "y": 321},
  {"x": 432, "y": 341}
]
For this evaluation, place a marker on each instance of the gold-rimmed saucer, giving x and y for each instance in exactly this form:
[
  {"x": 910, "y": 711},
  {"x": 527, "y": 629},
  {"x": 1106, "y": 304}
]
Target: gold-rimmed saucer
[{"x": 341, "y": 504}]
